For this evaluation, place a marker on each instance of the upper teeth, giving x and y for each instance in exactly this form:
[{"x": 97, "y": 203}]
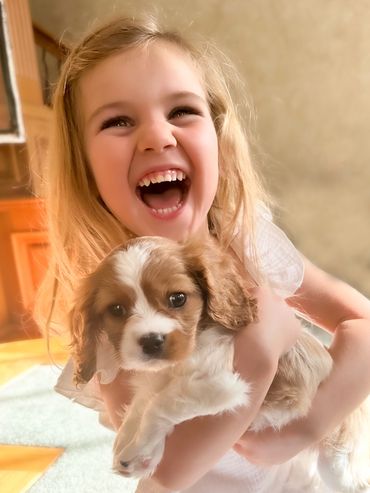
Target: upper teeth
[{"x": 169, "y": 175}]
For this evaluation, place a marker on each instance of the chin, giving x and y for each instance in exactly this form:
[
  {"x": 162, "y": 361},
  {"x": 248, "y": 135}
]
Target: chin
[{"x": 171, "y": 311}]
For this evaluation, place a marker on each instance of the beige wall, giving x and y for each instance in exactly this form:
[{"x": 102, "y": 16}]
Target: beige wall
[{"x": 307, "y": 67}]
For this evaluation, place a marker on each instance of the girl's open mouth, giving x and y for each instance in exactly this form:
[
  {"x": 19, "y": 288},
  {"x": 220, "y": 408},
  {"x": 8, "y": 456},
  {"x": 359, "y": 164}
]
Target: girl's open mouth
[{"x": 164, "y": 192}]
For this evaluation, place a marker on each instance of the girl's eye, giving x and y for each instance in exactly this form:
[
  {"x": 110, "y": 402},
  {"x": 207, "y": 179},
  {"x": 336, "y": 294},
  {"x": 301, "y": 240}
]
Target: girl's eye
[
  {"x": 117, "y": 121},
  {"x": 183, "y": 111}
]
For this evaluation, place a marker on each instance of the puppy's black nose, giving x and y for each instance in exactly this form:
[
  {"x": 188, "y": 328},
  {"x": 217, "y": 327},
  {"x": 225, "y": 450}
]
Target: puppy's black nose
[{"x": 152, "y": 343}]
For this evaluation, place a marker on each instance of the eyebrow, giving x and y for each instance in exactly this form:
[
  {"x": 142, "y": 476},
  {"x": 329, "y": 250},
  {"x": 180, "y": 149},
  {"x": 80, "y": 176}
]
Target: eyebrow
[{"x": 125, "y": 104}]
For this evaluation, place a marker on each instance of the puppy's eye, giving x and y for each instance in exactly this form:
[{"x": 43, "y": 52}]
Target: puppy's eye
[
  {"x": 175, "y": 300},
  {"x": 117, "y": 310}
]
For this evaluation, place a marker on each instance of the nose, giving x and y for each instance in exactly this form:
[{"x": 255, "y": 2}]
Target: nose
[
  {"x": 156, "y": 136},
  {"x": 152, "y": 343}
]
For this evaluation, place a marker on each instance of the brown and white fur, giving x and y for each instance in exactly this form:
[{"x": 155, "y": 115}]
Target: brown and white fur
[{"x": 171, "y": 311}]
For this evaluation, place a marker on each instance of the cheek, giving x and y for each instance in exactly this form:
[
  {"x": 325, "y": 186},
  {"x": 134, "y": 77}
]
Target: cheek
[
  {"x": 209, "y": 171},
  {"x": 205, "y": 155},
  {"x": 109, "y": 161},
  {"x": 109, "y": 167},
  {"x": 210, "y": 150},
  {"x": 208, "y": 143}
]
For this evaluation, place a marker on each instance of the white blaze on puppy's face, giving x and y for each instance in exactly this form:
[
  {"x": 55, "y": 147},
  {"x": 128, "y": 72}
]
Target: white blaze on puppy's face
[{"x": 129, "y": 264}]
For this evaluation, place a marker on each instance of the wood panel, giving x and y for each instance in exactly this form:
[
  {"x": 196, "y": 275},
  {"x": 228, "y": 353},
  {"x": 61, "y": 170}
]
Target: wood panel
[
  {"x": 21, "y": 466},
  {"x": 30, "y": 251},
  {"x": 23, "y": 258},
  {"x": 37, "y": 121},
  {"x": 18, "y": 356},
  {"x": 3, "y": 306},
  {"x": 21, "y": 35}
]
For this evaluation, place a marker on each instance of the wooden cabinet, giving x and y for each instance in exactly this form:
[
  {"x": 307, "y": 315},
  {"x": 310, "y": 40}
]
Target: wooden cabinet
[{"x": 23, "y": 259}]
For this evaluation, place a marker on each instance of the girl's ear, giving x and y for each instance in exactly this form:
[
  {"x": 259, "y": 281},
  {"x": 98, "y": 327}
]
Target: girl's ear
[
  {"x": 225, "y": 291},
  {"x": 85, "y": 326}
]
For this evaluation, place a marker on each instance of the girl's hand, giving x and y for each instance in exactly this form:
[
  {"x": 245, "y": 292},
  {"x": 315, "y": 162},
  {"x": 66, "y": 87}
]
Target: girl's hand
[{"x": 269, "y": 447}]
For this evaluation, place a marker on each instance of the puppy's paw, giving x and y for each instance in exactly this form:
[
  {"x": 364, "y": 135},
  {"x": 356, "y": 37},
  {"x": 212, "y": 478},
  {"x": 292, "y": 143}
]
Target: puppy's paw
[{"x": 138, "y": 460}]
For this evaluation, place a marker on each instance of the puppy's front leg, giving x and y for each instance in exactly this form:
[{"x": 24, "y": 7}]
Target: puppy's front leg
[
  {"x": 130, "y": 426},
  {"x": 183, "y": 399},
  {"x": 131, "y": 418}
]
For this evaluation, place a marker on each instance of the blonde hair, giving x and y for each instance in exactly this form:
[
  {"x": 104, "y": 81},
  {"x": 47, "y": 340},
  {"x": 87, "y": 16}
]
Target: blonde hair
[{"x": 81, "y": 229}]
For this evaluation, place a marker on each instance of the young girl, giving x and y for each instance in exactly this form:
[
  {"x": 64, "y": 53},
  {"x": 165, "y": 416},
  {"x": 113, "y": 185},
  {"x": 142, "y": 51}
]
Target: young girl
[{"x": 136, "y": 105}]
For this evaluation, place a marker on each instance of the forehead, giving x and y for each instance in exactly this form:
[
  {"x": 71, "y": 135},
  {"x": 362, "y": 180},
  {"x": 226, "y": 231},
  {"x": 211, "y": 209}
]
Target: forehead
[{"x": 142, "y": 73}]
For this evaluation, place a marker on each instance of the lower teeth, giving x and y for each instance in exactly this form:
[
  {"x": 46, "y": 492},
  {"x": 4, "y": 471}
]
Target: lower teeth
[{"x": 167, "y": 210}]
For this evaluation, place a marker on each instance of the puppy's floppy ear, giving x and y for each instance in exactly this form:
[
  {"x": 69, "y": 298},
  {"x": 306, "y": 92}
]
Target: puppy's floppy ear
[
  {"x": 223, "y": 287},
  {"x": 85, "y": 327}
]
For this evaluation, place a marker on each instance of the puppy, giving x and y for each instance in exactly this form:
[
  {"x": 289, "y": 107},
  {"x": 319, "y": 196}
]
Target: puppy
[{"x": 170, "y": 311}]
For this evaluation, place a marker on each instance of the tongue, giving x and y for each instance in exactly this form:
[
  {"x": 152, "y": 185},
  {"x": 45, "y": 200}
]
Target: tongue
[{"x": 167, "y": 199}]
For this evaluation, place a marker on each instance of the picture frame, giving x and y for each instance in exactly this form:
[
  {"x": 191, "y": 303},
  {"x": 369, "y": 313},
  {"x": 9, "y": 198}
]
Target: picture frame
[{"x": 11, "y": 120}]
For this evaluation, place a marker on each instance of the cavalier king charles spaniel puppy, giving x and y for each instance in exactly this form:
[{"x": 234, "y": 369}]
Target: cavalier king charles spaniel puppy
[{"x": 170, "y": 311}]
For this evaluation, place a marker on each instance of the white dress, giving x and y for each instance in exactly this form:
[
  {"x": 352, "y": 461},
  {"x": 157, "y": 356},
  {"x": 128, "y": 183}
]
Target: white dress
[{"x": 283, "y": 268}]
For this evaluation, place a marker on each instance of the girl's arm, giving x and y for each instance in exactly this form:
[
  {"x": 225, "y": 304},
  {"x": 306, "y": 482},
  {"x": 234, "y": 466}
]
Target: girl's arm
[
  {"x": 196, "y": 445},
  {"x": 340, "y": 309}
]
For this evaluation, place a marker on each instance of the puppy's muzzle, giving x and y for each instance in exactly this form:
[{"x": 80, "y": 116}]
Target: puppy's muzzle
[{"x": 152, "y": 344}]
